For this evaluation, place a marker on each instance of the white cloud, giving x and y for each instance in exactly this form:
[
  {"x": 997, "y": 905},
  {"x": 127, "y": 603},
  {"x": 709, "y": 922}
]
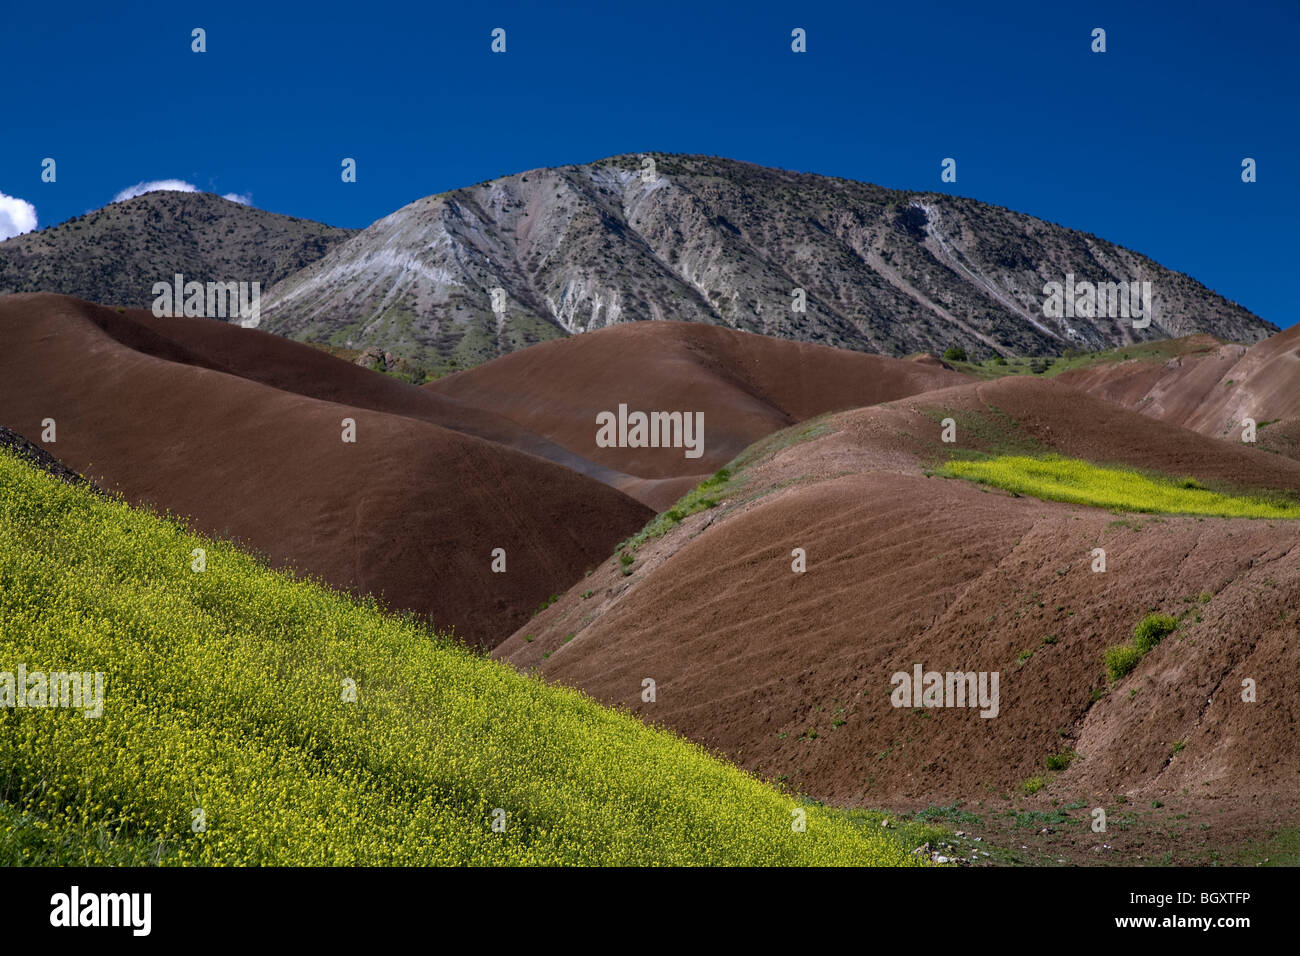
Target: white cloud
[
  {"x": 157, "y": 185},
  {"x": 16, "y": 216},
  {"x": 175, "y": 185}
]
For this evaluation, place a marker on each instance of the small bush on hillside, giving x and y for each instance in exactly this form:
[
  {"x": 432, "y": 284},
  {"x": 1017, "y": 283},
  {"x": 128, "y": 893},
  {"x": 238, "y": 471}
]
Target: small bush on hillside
[
  {"x": 1033, "y": 785},
  {"x": 1060, "y": 761},
  {"x": 1151, "y": 629},
  {"x": 955, "y": 354},
  {"x": 1120, "y": 660}
]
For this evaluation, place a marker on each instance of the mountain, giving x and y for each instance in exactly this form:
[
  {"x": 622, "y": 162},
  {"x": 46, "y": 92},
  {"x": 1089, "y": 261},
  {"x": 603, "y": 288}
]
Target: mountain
[
  {"x": 577, "y": 248},
  {"x": 114, "y": 255}
]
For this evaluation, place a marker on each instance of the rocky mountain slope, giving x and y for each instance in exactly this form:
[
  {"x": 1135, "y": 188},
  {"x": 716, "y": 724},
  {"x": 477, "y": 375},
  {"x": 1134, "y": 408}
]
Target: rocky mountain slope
[
  {"x": 114, "y": 255},
  {"x": 577, "y": 248}
]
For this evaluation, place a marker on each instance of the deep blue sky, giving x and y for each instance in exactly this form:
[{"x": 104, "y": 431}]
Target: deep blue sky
[{"x": 1141, "y": 145}]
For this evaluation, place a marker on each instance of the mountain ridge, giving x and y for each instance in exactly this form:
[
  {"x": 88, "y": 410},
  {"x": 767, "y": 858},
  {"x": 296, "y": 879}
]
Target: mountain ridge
[
  {"x": 578, "y": 247},
  {"x": 631, "y": 237},
  {"x": 114, "y": 255}
]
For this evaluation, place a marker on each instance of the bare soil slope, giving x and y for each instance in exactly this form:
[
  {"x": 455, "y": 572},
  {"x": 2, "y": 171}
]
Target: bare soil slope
[
  {"x": 747, "y": 386},
  {"x": 1212, "y": 389},
  {"x": 242, "y": 432},
  {"x": 790, "y": 674}
]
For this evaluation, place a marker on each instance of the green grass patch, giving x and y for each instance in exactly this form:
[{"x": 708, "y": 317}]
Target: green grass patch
[
  {"x": 1049, "y": 366},
  {"x": 953, "y": 814},
  {"x": 1282, "y": 849},
  {"x": 707, "y": 494},
  {"x": 1040, "y": 818},
  {"x": 1151, "y": 630},
  {"x": 726, "y": 482},
  {"x": 1054, "y": 478},
  {"x": 225, "y": 690},
  {"x": 907, "y": 833}
]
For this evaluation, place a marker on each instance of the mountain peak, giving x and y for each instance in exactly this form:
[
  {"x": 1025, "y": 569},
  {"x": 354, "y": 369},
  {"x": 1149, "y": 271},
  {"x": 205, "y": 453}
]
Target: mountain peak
[
  {"x": 652, "y": 236},
  {"x": 115, "y": 254}
]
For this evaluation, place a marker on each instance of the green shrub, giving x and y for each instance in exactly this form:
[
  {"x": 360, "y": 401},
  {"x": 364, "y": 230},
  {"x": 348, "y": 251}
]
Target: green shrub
[
  {"x": 1060, "y": 761},
  {"x": 955, "y": 354},
  {"x": 1149, "y": 631},
  {"x": 1120, "y": 660}
]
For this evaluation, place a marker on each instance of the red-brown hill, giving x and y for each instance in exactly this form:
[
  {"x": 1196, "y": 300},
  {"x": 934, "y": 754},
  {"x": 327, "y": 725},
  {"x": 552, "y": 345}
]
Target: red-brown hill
[
  {"x": 747, "y": 386},
  {"x": 241, "y": 431},
  {"x": 789, "y": 674},
  {"x": 1212, "y": 388}
]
